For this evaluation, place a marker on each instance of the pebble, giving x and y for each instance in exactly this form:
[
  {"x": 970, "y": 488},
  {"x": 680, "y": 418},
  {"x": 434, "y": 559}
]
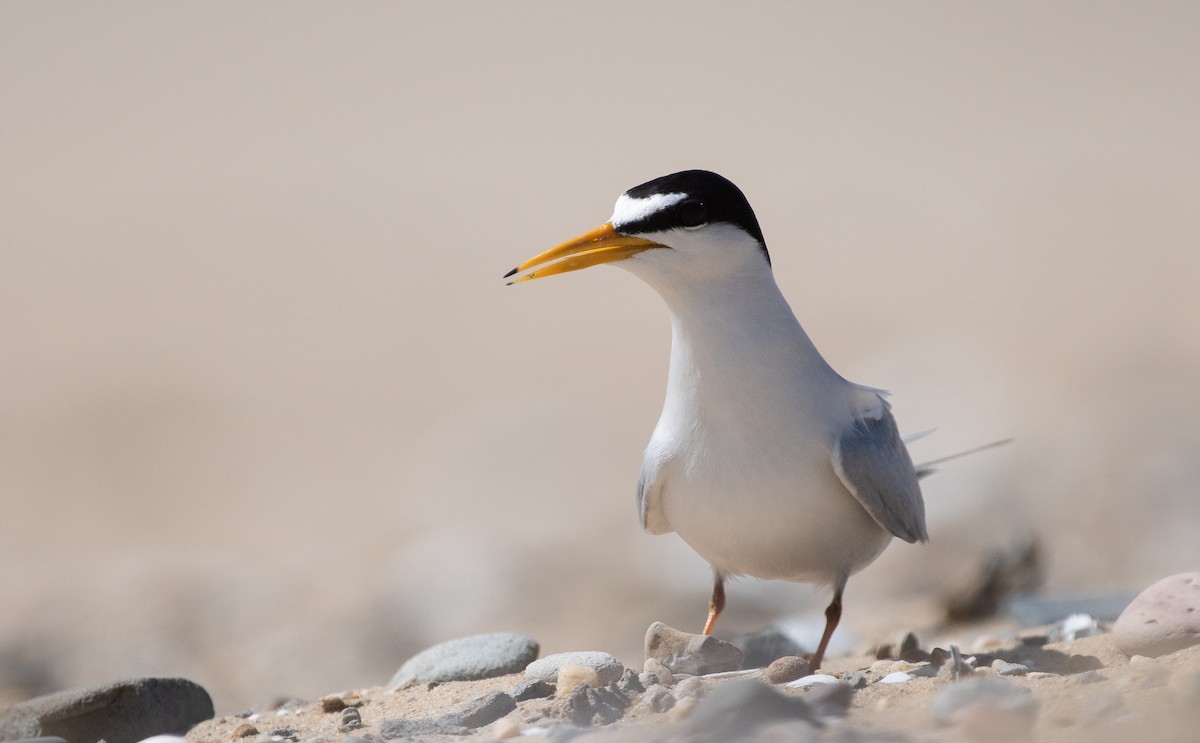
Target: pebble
[
  {"x": 988, "y": 709},
  {"x": 787, "y": 668},
  {"x": 1075, "y": 627},
  {"x": 897, "y": 677},
  {"x": 571, "y": 675},
  {"x": 1161, "y": 619},
  {"x": 736, "y": 710},
  {"x": 483, "y": 711},
  {"x": 662, "y": 674},
  {"x": 684, "y": 652},
  {"x": 630, "y": 683},
  {"x": 245, "y": 730},
  {"x": 532, "y": 689},
  {"x": 1004, "y": 668},
  {"x": 468, "y": 659},
  {"x": 587, "y": 706},
  {"x": 120, "y": 712},
  {"x": 351, "y": 719},
  {"x": 605, "y": 665},
  {"x": 812, "y": 680},
  {"x": 854, "y": 679}
]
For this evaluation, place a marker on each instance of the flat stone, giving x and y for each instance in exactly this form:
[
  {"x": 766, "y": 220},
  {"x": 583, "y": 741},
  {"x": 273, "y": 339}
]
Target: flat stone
[
  {"x": 684, "y": 652},
  {"x": 483, "y": 711},
  {"x": 532, "y": 689},
  {"x": 1004, "y": 668},
  {"x": 606, "y": 665},
  {"x": 468, "y": 659},
  {"x": 1162, "y": 619},
  {"x": 120, "y": 712}
]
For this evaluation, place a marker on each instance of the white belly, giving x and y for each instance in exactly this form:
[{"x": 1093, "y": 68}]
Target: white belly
[{"x": 771, "y": 511}]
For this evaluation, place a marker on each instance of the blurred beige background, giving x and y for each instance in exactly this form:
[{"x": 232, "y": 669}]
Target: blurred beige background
[{"x": 269, "y": 418}]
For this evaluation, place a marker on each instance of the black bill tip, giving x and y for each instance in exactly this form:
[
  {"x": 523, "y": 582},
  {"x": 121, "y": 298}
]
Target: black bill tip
[{"x": 510, "y": 273}]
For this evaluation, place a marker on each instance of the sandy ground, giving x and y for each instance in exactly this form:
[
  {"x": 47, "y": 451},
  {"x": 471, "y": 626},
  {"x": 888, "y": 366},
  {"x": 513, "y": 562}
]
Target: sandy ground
[
  {"x": 270, "y": 420},
  {"x": 1118, "y": 701}
]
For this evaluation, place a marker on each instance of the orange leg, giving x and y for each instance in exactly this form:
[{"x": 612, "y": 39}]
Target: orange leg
[
  {"x": 833, "y": 614},
  {"x": 716, "y": 604}
]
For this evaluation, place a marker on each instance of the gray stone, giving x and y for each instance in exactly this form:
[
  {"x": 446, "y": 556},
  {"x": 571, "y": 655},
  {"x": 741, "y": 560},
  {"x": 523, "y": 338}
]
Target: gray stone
[
  {"x": 468, "y": 659},
  {"x": 482, "y": 711},
  {"x": 630, "y": 684},
  {"x": 586, "y": 706},
  {"x": 607, "y": 666},
  {"x": 854, "y": 679},
  {"x": 683, "y": 652},
  {"x": 351, "y": 719},
  {"x": 1162, "y": 619},
  {"x": 1004, "y": 668},
  {"x": 766, "y": 646},
  {"x": 120, "y": 712},
  {"x": 463, "y": 721},
  {"x": 532, "y": 689},
  {"x": 736, "y": 710}
]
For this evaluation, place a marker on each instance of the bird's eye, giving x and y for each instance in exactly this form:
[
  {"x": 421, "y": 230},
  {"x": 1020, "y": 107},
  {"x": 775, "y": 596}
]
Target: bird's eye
[{"x": 692, "y": 214}]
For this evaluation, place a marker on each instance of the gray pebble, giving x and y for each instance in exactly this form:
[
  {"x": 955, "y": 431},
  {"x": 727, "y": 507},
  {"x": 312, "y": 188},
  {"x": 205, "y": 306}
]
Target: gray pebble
[
  {"x": 630, "y": 684},
  {"x": 605, "y": 665},
  {"x": 532, "y": 689},
  {"x": 586, "y": 706},
  {"x": 483, "y": 711},
  {"x": 684, "y": 652},
  {"x": 854, "y": 679},
  {"x": 351, "y": 719},
  {"x": 1004, "y": 668},
  {"x": 468, "y": 659}
]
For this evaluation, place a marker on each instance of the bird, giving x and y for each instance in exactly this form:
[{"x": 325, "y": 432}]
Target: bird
[{"x": 764, "y": 460}]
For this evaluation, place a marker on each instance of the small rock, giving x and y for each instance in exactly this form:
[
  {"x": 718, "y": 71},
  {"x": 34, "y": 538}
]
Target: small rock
[
  {"x": 1004, "y": 668},
  {"x": 532, "y": 689},
  {"x": 760, "y": 649},
  {"x": 468, "y": 659},
  {"x": 483, "y": 711},
  {"x": 896, "y": 677},
  {"x": 854, "y": 679},
  {"x": 1162, "y": 619},
  {"x": 988, "y": 709},
  {"x": 738, "y": 709},
  {"x": 630, "y": 684},
  {"x": 654, "y": 667},
  {"x": 684, "y": 652},
  {"x": 571, "y": 676},
  {"x": 1075, "y": 627},
  {"x": 787, "y": 668},
  {"x": 120, "y": 712},
  {"x": 587, "y": 706},
  {"x": 351, "y": 719},
  {"x": 605, "y": 665},
  {"x": 814, "y": 679}
]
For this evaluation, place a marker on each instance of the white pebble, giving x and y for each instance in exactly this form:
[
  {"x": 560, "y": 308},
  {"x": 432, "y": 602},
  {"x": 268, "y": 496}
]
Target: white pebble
[
  {"x": 812, "y": 680},
  {"x": 899, "y": 677}
]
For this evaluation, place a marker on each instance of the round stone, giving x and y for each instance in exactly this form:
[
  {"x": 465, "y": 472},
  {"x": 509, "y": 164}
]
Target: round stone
[{"x": 1162, "y": 619}]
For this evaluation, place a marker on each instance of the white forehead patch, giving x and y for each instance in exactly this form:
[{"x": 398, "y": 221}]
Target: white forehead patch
[{"x": 629, "y": 209}]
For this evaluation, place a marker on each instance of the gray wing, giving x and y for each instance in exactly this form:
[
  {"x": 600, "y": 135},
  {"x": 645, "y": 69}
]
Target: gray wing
[{"x": 870, "y": 459}]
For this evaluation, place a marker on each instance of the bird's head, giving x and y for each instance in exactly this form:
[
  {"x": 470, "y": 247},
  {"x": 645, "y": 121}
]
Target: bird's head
[{"x": 682, "y": 227}]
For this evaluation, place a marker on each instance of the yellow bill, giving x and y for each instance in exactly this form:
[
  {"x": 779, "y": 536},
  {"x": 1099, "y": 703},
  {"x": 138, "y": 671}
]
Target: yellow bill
[{"x": 602, "y": 245}]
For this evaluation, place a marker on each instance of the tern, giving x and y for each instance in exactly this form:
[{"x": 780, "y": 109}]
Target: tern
[{"x": 765, "y": 461}]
